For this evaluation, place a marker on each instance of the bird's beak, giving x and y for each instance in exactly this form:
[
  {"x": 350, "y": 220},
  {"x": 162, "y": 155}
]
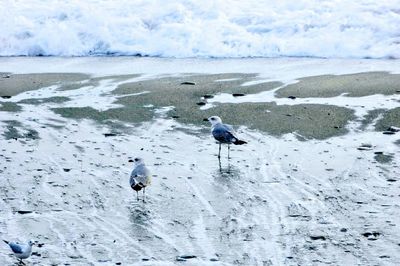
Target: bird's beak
[{"x": 205, "y": 119}]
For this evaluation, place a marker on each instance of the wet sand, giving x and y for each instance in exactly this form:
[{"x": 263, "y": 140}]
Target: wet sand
[{"x": 317, "y": 183}]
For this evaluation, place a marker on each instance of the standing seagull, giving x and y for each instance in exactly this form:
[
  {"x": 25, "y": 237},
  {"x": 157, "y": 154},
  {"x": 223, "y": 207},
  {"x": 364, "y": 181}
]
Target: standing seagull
[
  {"x": 223, "y": 133},
  {"x": 140, "y": 177},
  {"x": 21, "y": 251}
]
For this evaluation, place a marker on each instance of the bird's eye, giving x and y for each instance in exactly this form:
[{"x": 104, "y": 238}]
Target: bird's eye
[{"x": 136, "y": 159}]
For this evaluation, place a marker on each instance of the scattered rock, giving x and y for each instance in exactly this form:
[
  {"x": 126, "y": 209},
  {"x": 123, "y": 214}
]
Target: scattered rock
[
  {"x": 393, "y": 129},
  {"x": 343, "y": 230},
  {"x": 6, "y": 97},
  {"x": 24, "y": 212},
  {"x": 110, "y": 134},
  {"x": 201, "y": 103},
  {"x": 208, "y": 96},
  {"x": 145, "y": 259},
  {"x": 238, "y": 94},
  {"x": 317, "y": 238},
  {"x": 292, "y": 97},
  {"x": 188, "y": 83},
  {"x": 388, "y": 132},
  {"x": 214, "y": 259},
  {"x": 391, "y": 180},
  {"x": 67, "y": 169},
  {"x": 378, "y": 152},
  {"x": 175, "y": 116},
  {"x": 185, "y": 257}
]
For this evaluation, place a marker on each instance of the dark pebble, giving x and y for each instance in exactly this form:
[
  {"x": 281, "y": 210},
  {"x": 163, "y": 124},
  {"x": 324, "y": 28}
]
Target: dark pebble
[
  {"x": 343, "y": 230},
  {"x": 110, "y": 134},
  {"x": 208, "y": 96},
  {"x": 24, "y": 212},
  {"x": 188, "y": 83},
  {"x": 292, "y": 97},
  {"x": 201, "y": 103},
  {"x": 145, "y": 259},
  {"x": 175, "y": 116},
  {"x": 214, "y": 259},
  {"x": 393, "y": 129},
  {"x": 391, "y": 180},
  {"x": 238, "y": 94},
  {"x": 6, "y": 97},
  {"x": 388, "y": 132},
  {"x": 187, "y": 257},
  {"x": 378, "y": 152},
  {"x": 118, "y": 263},
  {"x": 66, "y": 169},
  {"x": 317, "y": 238}
]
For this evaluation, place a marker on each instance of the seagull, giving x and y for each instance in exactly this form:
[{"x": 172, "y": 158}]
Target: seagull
[
  {"x": 223, "y": 133},
  {"x": 21, "y": 251},
  {"x": 140, "y": 177}
]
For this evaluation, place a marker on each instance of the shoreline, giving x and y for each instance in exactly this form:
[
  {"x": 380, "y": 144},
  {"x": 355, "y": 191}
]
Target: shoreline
[{"x": 136, "y": 98}]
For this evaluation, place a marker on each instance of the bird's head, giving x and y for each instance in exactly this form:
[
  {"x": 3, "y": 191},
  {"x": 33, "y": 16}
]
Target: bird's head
[
  {"x": 214, "y": 120},
  {"x": 31, "y": 243},
  {"x": 137, "y": 161}
]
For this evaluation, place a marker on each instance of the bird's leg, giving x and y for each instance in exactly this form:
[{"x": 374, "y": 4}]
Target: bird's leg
[
  {"x": 137, "y": 195},
  {"x": 144, "y": 190},
  {"x": 219, "y": 151},
  {"x": 229, "y": 149}
]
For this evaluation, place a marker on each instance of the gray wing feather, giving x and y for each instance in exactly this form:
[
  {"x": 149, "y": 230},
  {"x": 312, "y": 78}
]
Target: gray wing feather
[
  {"x": 16, "y": 248},
  {"x": 140, "y": 175},
  {"x": 224, "y": 133}
]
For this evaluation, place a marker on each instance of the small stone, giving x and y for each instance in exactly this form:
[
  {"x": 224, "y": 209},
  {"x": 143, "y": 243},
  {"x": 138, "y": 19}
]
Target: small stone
[
  {"x": 110, "y": 134},
  {"x": 188, "y": 83},
  {"x": 208, "y": 96},
  {"x": 388, "y": 132},
  {"x": 201, "y": 103},
  {"x": 317, "y": 238},
  {"x": 67, "y": 169},
  {"x": 292, "y": 97},
  {"x": 24, "y": 212},
  {"x": 238, "y": 94}
]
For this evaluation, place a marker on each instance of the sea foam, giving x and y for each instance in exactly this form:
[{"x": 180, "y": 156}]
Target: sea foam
[{"x": 189, "y": 28}]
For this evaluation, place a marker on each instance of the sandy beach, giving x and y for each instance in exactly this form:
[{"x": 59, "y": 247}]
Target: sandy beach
[{"x": 317, "y": 183}]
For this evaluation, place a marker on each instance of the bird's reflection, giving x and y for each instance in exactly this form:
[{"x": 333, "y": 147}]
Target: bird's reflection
[
  {"x": 227, "y": 172},
  {"x": 140, "y": 215}
]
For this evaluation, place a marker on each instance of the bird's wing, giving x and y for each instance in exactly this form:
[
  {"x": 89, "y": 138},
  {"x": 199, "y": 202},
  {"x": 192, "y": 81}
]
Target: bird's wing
[
  {"x": 223, "y": 133},
  {"x": 16, "y": 248},
  {"x": 140, "y": 175}
]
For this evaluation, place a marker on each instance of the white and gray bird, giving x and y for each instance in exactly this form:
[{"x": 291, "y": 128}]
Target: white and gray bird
[
  {"x": 223, "y": 133},
  {"x": 140, "y": 177},
  {"x": 21, "y": 251}
]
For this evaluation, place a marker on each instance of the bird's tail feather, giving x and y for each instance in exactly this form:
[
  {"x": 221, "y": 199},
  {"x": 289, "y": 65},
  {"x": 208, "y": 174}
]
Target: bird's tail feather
[
  {"x": 239, "y": 142},
  {"x": 5, "y": 241}
]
